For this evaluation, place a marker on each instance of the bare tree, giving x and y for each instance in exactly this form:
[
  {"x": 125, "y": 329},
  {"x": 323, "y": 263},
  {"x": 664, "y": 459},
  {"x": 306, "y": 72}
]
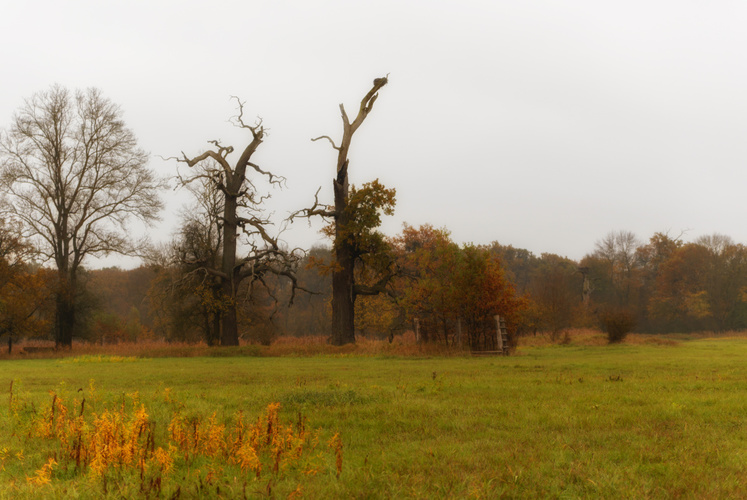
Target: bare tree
[
  {"x": 618, "y": 250},
  {"x": 197, "y": 247},
  {"x": 724, "y": 279},
  {"x": 343, "y": 276},
  {"x": 75, "y": 178},
  {"x": 242, "y": 214}
]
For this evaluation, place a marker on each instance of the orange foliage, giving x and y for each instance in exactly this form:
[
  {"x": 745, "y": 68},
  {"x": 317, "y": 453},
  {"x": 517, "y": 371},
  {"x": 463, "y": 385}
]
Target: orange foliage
[
  {"x": 23, "y": 291},
  {"x": 445, "y": 286}
]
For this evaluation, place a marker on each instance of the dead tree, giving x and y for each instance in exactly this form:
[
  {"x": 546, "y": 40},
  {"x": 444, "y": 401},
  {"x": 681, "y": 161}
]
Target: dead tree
[
  {"x": 343, "y": 276},
  {"x": 242, "y": 214}
]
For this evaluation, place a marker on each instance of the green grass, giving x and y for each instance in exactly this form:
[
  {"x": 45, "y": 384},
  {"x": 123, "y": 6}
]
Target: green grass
[{"x": 622, "y": 421}]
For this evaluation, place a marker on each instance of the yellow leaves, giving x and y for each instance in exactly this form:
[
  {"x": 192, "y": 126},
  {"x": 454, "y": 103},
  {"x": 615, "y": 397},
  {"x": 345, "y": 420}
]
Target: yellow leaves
[
  {"x": 375, "y": 313},
  {"x": 248, "y": 460},
  {"x": 697, "y": 304},
  {"x": 116, "y": 440},
  {"x": 7, "y": 453},
  {"x": 214, "y": 440},
  {"x": 336, "y": 444},
  {"x": 53, "y": 421},
  {"x": 44, "y": 475},
  {"x": 212, "y": 300},
  {"x": 363, "y": 212},
  {"x": 164, "y": 459},
  {"x": 297, "y": 493},
  {"x": 265, "y": 443}
]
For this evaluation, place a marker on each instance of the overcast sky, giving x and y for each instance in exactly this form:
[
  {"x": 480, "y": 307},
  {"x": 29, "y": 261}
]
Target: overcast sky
[{"x": 543, "y": 124}]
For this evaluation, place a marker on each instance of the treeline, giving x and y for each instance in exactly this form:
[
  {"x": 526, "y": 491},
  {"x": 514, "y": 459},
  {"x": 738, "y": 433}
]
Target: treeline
[
  {"x": 663, "y": 285},
  {"x": 73, "y": 178}
]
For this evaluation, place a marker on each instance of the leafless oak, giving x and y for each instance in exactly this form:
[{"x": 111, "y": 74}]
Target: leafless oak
[{"x": 241, "y": 215}]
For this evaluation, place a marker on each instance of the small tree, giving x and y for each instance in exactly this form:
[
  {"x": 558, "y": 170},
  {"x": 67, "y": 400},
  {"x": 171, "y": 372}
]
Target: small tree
[
  {"x": 75, "y": 178},
  {"x": 617, "y": 322},
  {"x": 24, "y": 291},
  {"x": 483, "y": 293},
  {"x": 444, "y": 286},
  {"x": 428, "y": 261},
  {"x": 556, "y": 289}
]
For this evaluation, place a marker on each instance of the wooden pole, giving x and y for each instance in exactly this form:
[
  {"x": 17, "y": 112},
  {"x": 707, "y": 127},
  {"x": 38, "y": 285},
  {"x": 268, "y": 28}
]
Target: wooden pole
[{"x": 499, "y": 342}]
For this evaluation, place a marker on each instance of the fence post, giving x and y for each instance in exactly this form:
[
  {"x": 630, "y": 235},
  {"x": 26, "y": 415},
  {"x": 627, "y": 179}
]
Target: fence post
[{"x": 498, "y": 330}]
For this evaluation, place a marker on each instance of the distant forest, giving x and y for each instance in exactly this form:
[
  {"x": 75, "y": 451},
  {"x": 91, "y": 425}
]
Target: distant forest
[{"x": 665, "y": 284}]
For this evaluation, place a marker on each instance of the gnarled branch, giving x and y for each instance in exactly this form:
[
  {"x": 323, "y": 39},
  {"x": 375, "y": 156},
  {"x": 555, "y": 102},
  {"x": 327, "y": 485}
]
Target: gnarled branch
[{"x": 314, "y": 210}]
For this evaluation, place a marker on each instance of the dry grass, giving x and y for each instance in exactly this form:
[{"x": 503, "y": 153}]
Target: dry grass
[
  {"x": 41, "y": 349},
  {"x": 402, "y": 345},
  {"x": 594, "y": 337}
]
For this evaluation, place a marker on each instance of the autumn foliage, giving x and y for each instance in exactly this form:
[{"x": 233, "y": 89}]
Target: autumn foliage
[
  {"x": 454, "y": 292},
  {"x": 109, "y": 442},
  {"x": 24, "y": 291}
]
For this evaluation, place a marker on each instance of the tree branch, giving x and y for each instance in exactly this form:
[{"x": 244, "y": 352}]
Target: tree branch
[
  {"x": 328, "y": 138},
  {"x": 256, "y": 129},
  {"x": 368, "y": 101},
  {"x": 314, "y": 210},
  {"x": 378, "y": 287}
]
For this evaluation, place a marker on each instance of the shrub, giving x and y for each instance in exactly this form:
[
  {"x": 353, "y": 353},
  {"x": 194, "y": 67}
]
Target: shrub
[{"x": 617, "y": 323}]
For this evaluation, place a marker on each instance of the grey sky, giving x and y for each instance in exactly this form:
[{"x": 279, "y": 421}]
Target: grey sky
[{"x": 542, "y": 124}]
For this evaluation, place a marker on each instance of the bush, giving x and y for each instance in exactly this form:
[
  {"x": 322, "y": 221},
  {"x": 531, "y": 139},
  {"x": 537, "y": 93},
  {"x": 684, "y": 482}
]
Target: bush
[{"x": 617, "y": 323}]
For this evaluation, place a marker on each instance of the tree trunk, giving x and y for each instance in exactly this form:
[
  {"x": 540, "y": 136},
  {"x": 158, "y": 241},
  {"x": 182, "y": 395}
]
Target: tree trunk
[
  {"x": 212, "y": 326},
  {"x": 65, "y": 316},
  {"x": 343, "y": 299},
  {"x": 229, "y": 327},
  {"x": 343, "y": 277}
]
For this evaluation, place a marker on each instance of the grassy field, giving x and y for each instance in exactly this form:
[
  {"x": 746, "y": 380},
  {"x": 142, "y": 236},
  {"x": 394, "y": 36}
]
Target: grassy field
[{"x": 640, "y": 420}]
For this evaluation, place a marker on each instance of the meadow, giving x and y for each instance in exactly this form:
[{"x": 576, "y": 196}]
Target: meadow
[{"x": 649, "y": 418}]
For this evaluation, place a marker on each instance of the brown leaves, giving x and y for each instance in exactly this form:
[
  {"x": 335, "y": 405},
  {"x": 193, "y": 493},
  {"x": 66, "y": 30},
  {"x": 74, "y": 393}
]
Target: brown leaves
[{"x": 445, "y": 284}]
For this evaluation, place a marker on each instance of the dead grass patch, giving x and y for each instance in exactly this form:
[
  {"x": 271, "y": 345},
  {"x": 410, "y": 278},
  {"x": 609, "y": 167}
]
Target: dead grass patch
[{"x": 402, "y": 345}]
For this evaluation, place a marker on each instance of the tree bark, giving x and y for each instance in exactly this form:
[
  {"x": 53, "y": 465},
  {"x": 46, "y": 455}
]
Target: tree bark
[
  {"x": 343, "y": 277},
  {"x": 65, "y": 313},
  {"x": 229, "y": 327}
]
